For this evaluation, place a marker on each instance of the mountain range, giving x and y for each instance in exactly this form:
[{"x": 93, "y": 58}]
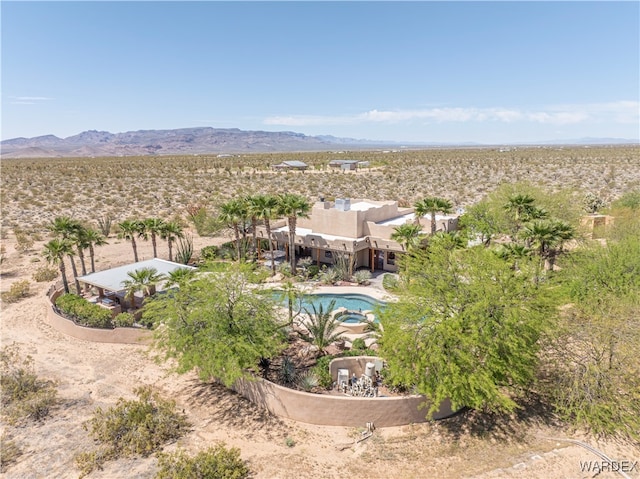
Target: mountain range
[
  {"x": 184, "y": 141},
  {"x": 207, "y": 140}
]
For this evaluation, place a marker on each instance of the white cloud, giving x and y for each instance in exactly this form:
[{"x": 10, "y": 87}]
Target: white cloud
[
  {"x": 616, "y": 112},
  {"x": 27, "y": 100}
]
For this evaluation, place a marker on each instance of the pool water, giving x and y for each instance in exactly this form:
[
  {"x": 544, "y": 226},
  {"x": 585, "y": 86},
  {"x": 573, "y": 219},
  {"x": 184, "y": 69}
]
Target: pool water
[
  {"x": 352, "y": 302},
  {"x": 351, "y": 318}
]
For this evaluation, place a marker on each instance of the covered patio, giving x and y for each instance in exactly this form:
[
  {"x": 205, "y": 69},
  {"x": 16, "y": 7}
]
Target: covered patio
[{"x": 108, "y": 285}]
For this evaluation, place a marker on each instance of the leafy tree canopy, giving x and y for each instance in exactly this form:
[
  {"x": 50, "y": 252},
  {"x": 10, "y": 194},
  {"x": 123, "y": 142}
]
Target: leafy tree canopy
[
  {"x": 217, "y": 325},
  {"x": 466, "y": 328}
]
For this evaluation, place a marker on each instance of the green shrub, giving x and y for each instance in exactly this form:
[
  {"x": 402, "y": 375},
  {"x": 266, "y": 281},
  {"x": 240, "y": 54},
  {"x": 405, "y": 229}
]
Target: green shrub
[
  {"x": 18, "y": 290},
  {"x": 131, "y": 428},
  {"x": 24, "y": 395},
  {"x": 321, "y": 371},
  {"x": 216, "y": 462},
  {"x": 124, "y": 320},
  {"x": 358, "y": 344},
  {"x": 44, "y": 274},
  {"x": 308, "y": 381},
  {"x": 390, "y": 282},
  {"x": 83, "y": 312},
  {"x": 209, "y": 253},
  {"x": 362, "y": 277}
]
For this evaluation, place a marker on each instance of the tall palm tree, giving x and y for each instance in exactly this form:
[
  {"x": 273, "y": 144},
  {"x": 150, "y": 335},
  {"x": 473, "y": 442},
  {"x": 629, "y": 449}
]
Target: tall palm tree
[
  {"x": 321, "y": 327},
  {"x": 252, "y": 214},
  {"x": 54, "y": 252},
  {"x": 153, "y": 227},
  {"x": 231, "y": 214},
  {"x": 171, "y": 231},
  {"x": 80, "y": 239},
  {"x": 293, "y": 206},
  {"x": 432, "y": 206},
  {"x": 94, "y": 238},
  {"x": 266, "y": 209},
  {"x": 67, "y": 228},
  {"x": 130, "y": 230}
]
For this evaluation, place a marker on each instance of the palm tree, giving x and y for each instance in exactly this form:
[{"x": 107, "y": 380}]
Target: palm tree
[
  {"x": 144, "y": 280},
  {"x": 54, "y": 252},
  {"x": 80, "y": 239},
  {"x": 68, "y": 229},
  {"x": 180, "y": 276},
  {"x": 432, "y": 206},
  {"x": 171, "y": 231},
  {"x": 266, "y": 208},
  {"x": 512, "y": 252},
  {"x": 130, "y": 230},
  {"x": 449, "y": 240},
  {"x": 94, "y": 238},
  {"x": 521, "y": 207},
  {"x": 293, "y": 206},
  {"x": 408, "y": 235},
  {"x": 153, "y": 227},
  {"x": 252, "y": 214},
  {"x": 548, "y": 237},
  {"x": 321, "y": 327},
  {"x": 231, "y": 215}
]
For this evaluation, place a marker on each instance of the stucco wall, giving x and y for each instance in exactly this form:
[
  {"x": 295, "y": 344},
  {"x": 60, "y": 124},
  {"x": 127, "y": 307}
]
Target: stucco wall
[
  {"x": 117, "y": 335},
  {"x": 329, "y": 410}
]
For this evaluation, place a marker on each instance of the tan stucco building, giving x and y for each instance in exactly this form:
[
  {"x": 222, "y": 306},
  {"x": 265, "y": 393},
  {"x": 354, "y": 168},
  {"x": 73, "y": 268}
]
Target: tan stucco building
[{"x": 359, "y": 228}]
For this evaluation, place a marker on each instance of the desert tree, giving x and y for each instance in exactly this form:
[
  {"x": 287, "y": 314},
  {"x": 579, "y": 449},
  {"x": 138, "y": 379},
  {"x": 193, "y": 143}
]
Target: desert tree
[
  {"x": 292, "y": 207},
  {"x": 217, "y": 325},
  {"x": 547, "y": 238},
  {"x": 467, "y": 327},
  {"x": 592, "y": 367}
]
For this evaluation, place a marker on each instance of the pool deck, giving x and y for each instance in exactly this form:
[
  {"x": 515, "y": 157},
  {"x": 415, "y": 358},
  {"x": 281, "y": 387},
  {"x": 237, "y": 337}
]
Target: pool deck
[{"x": 371, "y": 291}]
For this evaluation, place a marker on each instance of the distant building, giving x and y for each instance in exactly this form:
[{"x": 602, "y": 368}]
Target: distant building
[
  {"x": 359, "y": 228},
  {"x": 351, "y": 165},
  {"x": 291, "y": 165}
]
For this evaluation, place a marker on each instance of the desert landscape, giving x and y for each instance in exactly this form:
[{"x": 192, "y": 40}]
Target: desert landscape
[{"x": 531, "y": 443}]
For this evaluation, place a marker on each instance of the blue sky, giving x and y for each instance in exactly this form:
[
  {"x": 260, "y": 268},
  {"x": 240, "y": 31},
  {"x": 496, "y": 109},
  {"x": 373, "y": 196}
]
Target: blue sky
[{"x": 488, "y": 72}]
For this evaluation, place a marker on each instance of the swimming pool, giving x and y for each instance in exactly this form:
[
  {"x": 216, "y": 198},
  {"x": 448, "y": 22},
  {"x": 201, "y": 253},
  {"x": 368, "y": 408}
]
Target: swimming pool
[{"x": 352, "y": 302}]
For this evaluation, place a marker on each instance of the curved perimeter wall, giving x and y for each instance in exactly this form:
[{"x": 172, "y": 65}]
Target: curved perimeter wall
[
  {"x": 328, "y": 410},
  {"x": 117, "y": 335}
]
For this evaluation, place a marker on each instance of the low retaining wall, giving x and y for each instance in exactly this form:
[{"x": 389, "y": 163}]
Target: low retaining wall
[
  {"x": 117, "y": 335},
  {"x": 329, "y": 410}
]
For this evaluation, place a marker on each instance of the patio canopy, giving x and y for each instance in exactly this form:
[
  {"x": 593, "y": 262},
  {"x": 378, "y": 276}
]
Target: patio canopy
[{"x": 112, "y": 279}]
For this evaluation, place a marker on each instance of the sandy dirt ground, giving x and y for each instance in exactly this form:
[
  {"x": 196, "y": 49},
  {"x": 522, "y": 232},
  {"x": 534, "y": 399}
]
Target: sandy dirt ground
[{"x": 90, "y": 375}]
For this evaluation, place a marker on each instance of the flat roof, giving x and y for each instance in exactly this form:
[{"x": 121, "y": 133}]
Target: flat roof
[
  {"x": 363, "y": 206},
  {"x": 398, "y": 220},
  {"x": 112, "y": 279},
  {"x": 307, "y": 231}
]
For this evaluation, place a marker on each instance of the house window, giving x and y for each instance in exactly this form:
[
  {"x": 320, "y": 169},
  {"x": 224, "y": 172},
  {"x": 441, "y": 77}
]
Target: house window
[
  {"x": 327, "y": 254},
  {"x": 391, "y": 258}
]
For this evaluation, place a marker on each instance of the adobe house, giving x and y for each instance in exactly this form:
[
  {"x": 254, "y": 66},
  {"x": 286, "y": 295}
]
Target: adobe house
[{"x": 358, "y": 228}]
